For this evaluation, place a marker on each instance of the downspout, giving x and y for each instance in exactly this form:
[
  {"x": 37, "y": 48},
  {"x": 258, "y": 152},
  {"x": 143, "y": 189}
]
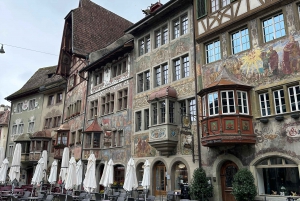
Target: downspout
[
  {"x": 83, "y": 126},
  {"x": 196, "y": 97}
]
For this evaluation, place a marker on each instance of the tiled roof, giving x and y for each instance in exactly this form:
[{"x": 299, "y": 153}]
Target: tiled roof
[
  {"x": 94, "y": 127},
  {"x": 41, "y": 77},
  {"x": 23, "y": 137},
  {"x": 163, "y": 93},
  {"x": 4, "y": 117},
  {"x": 94, "y": 27},
  {"x": 42, "y": 134}
]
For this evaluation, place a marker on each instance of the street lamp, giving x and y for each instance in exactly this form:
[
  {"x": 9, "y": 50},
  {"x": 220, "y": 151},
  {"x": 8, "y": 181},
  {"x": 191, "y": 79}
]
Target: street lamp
[{"x": 2, "y": 50}]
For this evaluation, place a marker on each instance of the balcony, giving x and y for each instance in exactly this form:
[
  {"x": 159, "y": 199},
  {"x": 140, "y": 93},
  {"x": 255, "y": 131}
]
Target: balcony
[
  {"x": 34, "y": 156},
  {"x": 164, "y": 138},
  {"x": 227, "y": 130},
  {"x": 24, "y": 157}
]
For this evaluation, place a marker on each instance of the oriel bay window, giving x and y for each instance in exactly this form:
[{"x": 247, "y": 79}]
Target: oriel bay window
[
  {"x": 163, "y": 112},
  {"x": 62, "y": 138}
]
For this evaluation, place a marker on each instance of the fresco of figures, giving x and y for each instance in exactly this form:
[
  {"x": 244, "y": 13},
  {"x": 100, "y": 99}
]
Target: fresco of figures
[{"x": 262, "y": 65}]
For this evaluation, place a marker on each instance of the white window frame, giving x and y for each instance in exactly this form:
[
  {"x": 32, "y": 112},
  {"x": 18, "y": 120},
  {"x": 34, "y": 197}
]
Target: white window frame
[
  {"x": 204, "y": 106},
  {"x": 179, "y": 22},
  {"x": 213, "y": 103},
  {"x": 144, "y": 45},
  {"x": 183, "y": 73},
  {"x": 214, "y": 48},
  {"x": 281, "y": 106},
  {"x": 273, "y": 25},
  {"x": 295, "y": 97},
  {"x": 242, "y": 102},
  {"x": 30, "y": 127},
  {"x": 227, "y": 101},
  {"x": 119, "y": 68},
  {"x": 240, "y": 40},
  {"x": 163, "y": 74},
  {"x": 265, "y": 102}
]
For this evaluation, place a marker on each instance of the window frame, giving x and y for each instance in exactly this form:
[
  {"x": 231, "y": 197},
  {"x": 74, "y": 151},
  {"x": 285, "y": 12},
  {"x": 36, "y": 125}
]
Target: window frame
[
  {"x": 297, "y": 104},
  {"x": 178, "y": 25},
  {"x": 228, "y": 106},
  {"x": 144, "y": 45},
  {"x": 59, "y": 97},
  {"x": 164, "y": 75},
  {"x": 119, "y": 68},
  {"x": 123, "y": 99},
  {"x": 213, "y": 104},
  {"x": 179, "y": 68},
  {"x": 144, "y": 82},
  {"x": 94, "y": 108},
  {"x": 243, "y": 106},
  {"x": 29, "y": 126},
  {"x": 281, "y": 106},
  {"x": 19, "y": 107},
  {"x": 213, "y": 49},
  {"x": 240, "y": 36},
  {"x": 273, "y": 26},
  {"x": 265, "y": 102},
  {"x": 30, "y": 106}
]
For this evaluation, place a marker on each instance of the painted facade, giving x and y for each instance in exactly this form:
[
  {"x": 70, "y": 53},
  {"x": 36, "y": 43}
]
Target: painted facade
[
  {"x": 160, "y": 137},
  {"x": 270, "y": 66},
  {"x": 4, "y": 120}
]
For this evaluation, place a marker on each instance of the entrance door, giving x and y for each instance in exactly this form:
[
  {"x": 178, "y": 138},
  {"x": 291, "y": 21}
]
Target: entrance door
[
  {"x": 160, "y": 180},
  {"x": 228, "y": 170}
]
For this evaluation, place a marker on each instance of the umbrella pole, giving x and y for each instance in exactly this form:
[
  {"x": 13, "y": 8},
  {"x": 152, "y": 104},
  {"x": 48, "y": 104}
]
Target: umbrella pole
[
  {"x": 32, "y": 190},
  {"x": 66, "y": 196}
]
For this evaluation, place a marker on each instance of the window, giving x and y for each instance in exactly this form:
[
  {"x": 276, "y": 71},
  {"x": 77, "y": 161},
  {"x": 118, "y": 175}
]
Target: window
[
  {"x": 161, "y": 75},
  {"x": 10, "y": 150},
  {"x": 279, "y": 101},
  {"x": 62, "y": 138},
  {"x": 51, "y": 100},
  {"x": 143, "y": 81},
  {"x": 146, "y": 119},
  {"x": 214, "y": 5},
  {"x": 119, "y": 68},
  {"x": 154, "y": 117},
  {"x": 144, "y": 45},
  {"x": 122, "y": 99},
  {"x": 73, "y": 137},
  {"x": 188, "y": 107},
  {"x": 108, "y": 103},
  {"x": 242, "y": 98},
  {"x": 171, "y": 111},
  {"x": 213, "y": 103},
  {"x": 180, "y": 26},
  {"x": 119, "y": 138},
  {"x": 161, "y": 36},
  {"x": 56, "y": 121},
  {"x": 98, "y": 78},
  {"x": 204, "y": 106},
  {"x": 138, "y": 121},
  {"x": 273, "y": 27},
  {"x": 294, "y": 93},
  {"x": 264, "y": 104},
  {"x": 225, "y": 3},
  {"x": 14, "y": 129},
  {"x": 96, "y": 140},
  {"x": 240, "y": 41},
  {"x": 48, "y": 123},
  {"x": 59, "y": 98},
  {"x": 31, "y": 104},
  {"x": 30, "y": 127},
  {"x": 20, "y": 128},
  {"x": 19, "y": 107},
  {"x": 201, "y": 8},
  {"x": 213, "y": 51},
  {"x": 93, "y": 108},
  {"x": 227, "y": 100},
  {"x": 277, "y": 172},
  {"x": 79, "y": 136},
  {"x": 72, "y": 81},
  {"x": 163, "y": 111},
  {"x": 181, "y": 68}
]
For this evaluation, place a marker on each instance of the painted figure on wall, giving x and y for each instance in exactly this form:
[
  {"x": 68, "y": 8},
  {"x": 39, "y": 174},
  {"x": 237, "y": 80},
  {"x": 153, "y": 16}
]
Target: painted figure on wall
[
  {"x": 142, "y": 147},
  {"x": 273, "y": 61},
  {"x": 291, "y": 56}
]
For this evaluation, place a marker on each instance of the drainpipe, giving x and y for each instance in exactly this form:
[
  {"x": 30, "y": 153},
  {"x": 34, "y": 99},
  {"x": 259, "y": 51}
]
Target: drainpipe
[
  {"x": 8, "y": 129},
  {"x": 196, "y": 97}
]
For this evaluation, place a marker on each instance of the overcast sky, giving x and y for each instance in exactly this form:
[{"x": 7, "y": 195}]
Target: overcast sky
[{"x": 38, "y": 25}]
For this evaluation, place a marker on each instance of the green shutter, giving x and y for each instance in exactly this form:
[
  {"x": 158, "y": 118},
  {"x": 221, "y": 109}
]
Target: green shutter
[{"x": 201, "y": 8}]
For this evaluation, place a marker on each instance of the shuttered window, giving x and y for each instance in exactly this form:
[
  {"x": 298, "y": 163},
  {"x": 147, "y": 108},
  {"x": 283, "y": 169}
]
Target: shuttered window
[{"x": 201, "y": 8}]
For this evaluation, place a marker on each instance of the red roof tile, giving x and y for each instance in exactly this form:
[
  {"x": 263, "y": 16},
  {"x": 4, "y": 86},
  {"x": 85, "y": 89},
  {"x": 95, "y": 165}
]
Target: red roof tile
[
  {"x": 94, "y": 127},
  {"x": 4, "y": 117},
  {"x": 94, "y": 27},
  {"x": 163, "y": 93}
]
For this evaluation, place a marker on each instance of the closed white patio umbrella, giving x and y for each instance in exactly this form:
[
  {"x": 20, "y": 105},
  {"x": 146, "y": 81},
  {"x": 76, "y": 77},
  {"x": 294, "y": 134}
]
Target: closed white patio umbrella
[
  {"x": 45, "y": 157},
  {"x": 146, "y": 176},
  {"x": 14, "y": 171},
  {"x": 64, "y": 164},
  {"x": 3, "y": 171},
  {"x": 103, "y": 177},
  {"x": 2, "y": 151},
  {"x": 89, "y": 182},
  {"x": 79, "y": 172},
  {"x": 38, "y": 173},
  {"x": 71, "y": 179},
  {"x": 53, "y": 174},
  {"x": 130, "y": 177},
  {"x": 109, "y": 178}
]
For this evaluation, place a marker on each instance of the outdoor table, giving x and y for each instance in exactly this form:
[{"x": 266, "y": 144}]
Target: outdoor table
[
  {"x": 291, "y": 198},
  {"x": 33, "y": 198},
  {"x": 76, "y": 197},
  {"x": 111, "y": 197}
]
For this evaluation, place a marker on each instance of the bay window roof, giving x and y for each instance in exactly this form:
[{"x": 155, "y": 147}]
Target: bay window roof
[
  {"x": 94, "y": 127},
  {"x": 166, "y": 92}
]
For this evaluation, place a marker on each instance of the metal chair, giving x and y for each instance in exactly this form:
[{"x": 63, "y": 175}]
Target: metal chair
[{"x": 25, "y": 196}]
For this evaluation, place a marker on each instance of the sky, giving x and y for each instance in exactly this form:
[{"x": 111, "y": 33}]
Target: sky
[{"x": 29, "y": 27}]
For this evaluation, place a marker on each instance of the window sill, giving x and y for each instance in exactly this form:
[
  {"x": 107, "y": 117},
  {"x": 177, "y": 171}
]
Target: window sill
[
  {"x": 124, "y": 109},
  {"x": 173, "y": 39},
  {"x": 103, "y": 115}
]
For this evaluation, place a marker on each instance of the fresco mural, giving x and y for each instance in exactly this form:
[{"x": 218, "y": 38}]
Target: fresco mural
[
  {"x": 141, "y": 146},
  {"x": 262, "y": 65}
]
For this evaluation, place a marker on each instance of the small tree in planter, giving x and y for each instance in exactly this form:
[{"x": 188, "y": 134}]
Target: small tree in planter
[
  {"x": 200, "y": 189},
  {"x": 243, "y": 187}
]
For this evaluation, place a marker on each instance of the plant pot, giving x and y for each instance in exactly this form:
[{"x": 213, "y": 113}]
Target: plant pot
[
  {"x": 279, "y": 118},
  {"x": 264, "y": 120},
  {"x": 295, "y": 115}
]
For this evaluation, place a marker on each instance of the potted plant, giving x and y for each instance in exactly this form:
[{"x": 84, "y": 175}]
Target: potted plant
[
  {"x": 200, "y": 188},
  {"x": 243, "y": 187}
]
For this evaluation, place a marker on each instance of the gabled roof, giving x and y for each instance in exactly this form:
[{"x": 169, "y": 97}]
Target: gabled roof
[
  {"x": 41, "y": 77},
  {"x": 94, "y": 27},
  {"x": 94, "y": 127},
  {"x": 4, "y": 117}
]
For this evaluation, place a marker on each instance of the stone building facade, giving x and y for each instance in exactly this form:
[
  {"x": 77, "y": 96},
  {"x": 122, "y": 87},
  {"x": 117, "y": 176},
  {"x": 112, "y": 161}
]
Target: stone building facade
[{"x": 248, "y": 84}]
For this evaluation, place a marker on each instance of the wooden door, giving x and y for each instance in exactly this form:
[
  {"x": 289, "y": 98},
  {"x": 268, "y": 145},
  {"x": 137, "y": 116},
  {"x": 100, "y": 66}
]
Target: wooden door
[
  {"x": 228, "y": 170},
  {"x": 160, "y": 181}
]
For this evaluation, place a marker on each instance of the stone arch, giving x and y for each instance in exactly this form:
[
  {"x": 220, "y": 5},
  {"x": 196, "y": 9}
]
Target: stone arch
[{"x": 171, "y": 169}]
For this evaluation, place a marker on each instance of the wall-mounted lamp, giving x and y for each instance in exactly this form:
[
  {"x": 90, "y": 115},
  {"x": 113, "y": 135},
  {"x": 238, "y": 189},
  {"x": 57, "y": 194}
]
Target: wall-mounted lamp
[{"x": 2, "y": 50}]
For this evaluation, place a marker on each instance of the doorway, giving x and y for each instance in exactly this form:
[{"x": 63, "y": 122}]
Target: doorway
[
  {"x": 227, "y": 172},
  {"x": 160, "y": 180}
]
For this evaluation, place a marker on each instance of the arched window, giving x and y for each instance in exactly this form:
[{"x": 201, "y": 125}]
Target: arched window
[{"x": 277, "y": 175}]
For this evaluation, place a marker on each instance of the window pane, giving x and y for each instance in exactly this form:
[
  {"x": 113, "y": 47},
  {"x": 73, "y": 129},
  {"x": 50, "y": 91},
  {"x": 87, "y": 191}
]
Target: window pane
[{"x": 213, "y": 52}]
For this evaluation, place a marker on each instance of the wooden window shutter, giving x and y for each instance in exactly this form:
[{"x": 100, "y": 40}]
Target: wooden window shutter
[{"x": 201, "y": 8}]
